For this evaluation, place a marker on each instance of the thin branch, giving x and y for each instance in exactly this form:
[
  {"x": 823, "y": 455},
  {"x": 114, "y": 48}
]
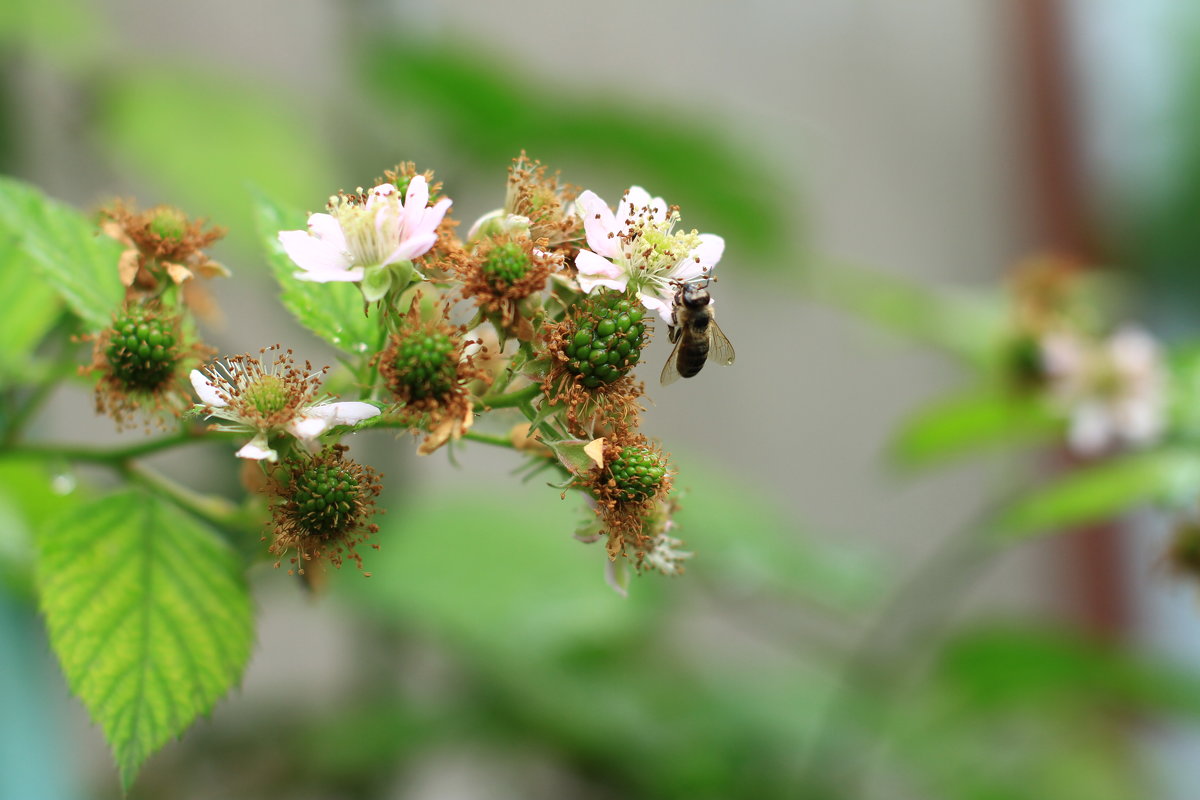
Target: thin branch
[{"x": 112, "y": 456}]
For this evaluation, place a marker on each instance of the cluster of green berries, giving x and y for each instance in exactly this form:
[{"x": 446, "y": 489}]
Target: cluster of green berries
[
  {"x": 505, "y": 264},
  {"x": 326, "y": 499},
  {"x": 607, "y": 338},
  {"x": 142, "y": 350},
  {"x": 638, "y": 473},
  {"x": 422, "y": 364}
]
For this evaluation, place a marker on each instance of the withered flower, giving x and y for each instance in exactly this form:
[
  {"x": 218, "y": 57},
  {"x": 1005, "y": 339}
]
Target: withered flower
[
  {"x": 427, "y": 370},
  {"x": 321, "y": 507}
]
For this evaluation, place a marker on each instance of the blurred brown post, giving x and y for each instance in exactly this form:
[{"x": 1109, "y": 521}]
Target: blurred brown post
[{"x": 1091, "y": 555}]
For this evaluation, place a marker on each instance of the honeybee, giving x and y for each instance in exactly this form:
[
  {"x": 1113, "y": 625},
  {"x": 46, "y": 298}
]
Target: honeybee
[{"x": 695, "y": 335}]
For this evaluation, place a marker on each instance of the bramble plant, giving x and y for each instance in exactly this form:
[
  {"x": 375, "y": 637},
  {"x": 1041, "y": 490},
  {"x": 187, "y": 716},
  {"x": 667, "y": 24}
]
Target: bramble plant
[{"x": 530, "y": 324}]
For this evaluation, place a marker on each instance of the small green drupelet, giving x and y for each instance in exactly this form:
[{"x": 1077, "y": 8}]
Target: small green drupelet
[
  {"x": 607, "y": 339},
  {"x": 142, "y": 350},
  {"x": 638, "y": 473},
  {"x": 506, "y": 264},
  {"x": 326, "y": 498}
]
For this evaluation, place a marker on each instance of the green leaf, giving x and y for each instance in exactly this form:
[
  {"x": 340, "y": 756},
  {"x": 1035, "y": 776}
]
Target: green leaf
[
  {"x": 1103, "y": 490},
  {"x": 998, "y": 667},
  {"x": 30, "y": 309},
  {"x": 333, "y": 311},
  {"x": 489, "y": 114},
  {"x": 66, "y": 248},
  {"x": 148, "y": 614},
  {"x": 965, "y": 423}
]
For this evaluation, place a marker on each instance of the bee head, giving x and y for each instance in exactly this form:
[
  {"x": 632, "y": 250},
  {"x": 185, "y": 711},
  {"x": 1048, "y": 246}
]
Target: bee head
[{"x": 694, "y": 295}]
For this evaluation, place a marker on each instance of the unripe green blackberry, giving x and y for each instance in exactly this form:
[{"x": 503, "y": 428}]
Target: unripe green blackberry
[
  {"x": 326, "y": 498},
  {"x": 421, "y": 363},
  {"x": 142, "y": 349},
  {"x": 321, "y": 509},
  {"x": 168, "y": 223},
  {"x": 505, "y": 264},
  {"x": 638, "y": 473},
  {"x": 606, "y": 338}
]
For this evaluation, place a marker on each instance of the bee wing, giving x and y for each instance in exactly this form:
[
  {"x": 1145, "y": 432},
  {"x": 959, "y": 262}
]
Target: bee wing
[
  {"x": 670, "y": 370},
  {"x": 720, "y": 351}
]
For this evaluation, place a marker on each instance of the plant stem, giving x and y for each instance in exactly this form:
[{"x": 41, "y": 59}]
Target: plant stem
[
  {"x": 217, "y": 511},
  {"x": 114, "y": 457},
  {"x": 510, "y": 400},
  {"x": 488, "y": 438},
  {"x": 925, "y": 600}
]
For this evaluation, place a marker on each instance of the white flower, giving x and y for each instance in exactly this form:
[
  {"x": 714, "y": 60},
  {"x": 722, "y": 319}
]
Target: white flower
[
  {"x": 1115, "y": 392},
  {"x": 361, "y": 232},
  {"x": 266, "y": 400},
  {"x": 637, "y": 248}
]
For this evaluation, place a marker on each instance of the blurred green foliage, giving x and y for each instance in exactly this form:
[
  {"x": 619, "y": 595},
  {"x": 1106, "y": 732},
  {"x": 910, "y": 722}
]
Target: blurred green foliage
[{"x": 489, "y": 113}]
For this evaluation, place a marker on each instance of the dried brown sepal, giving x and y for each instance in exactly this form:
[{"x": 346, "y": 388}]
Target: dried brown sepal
[
  {"x": 324, "y": 534},
  {"x": 630, "y": 525},
  {"x": 604, "y": 410},
  {"x": 1043, "y": 289},
  {"x": 151, "y": 397},
  {"x": 163, "y": 247},
  {"x": 507, "y": 299},
  {"x": 405, "y": 171},
  {"x": 546, "y": 202},
  {"x": 431, "y": 391}
]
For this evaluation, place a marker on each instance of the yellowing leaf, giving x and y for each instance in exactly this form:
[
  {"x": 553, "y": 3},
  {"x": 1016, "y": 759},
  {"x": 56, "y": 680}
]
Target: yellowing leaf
[{"x": 148, "y": 614}]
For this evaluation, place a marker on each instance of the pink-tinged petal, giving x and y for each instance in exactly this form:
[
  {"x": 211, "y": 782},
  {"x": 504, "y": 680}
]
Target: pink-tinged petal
[
  {"x": 596, "y": 271},
  {"x": 381, "y": 193},
  {"x": 599, "y": 224},
  {"x": 258, "y": 449},
  {"x": 686, "y": 271},
  {"x": 412, "y": 247},
  {"x": 308, "y": 426},
  {"x": 346, "y": 412},
  {"x": 633, "y": 201},
  {"x": 331, "y": 276},
  {"x": 637, "y": 200},
  {"x": 312, "y": 254},
  {"x": 328, "y": 230},
  {"x": 415, "y": 201},
  {"x": 433, "y": 216},
  {"x": 207, "y": 393},
  {"x": 709, "y": 251},
  {"x": 589, "y": 284},
  {"x": 664, "y": 308}
]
